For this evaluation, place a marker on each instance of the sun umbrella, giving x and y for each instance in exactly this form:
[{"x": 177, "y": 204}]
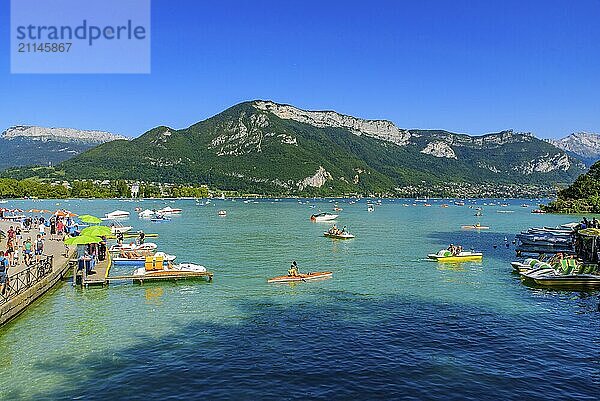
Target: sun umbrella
[
  {"x": 64, "y": 213},
  {"x": 82, "y": 240},
  {"x": 86, "y": 218},
  {"x": 97, "y": 231}
]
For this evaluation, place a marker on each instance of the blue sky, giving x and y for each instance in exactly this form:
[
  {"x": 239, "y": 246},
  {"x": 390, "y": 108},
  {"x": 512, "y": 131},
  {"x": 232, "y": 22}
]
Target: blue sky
[{"x": 464, "y": 66}]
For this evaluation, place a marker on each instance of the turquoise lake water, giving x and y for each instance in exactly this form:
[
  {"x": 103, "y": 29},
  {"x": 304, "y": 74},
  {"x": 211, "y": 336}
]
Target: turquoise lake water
[{"x": 389, "y": 324}]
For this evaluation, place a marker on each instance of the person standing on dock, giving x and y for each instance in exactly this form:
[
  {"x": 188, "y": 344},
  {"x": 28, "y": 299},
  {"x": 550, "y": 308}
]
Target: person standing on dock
[
  {"x": 39, "y": 247},
  {"x": 3, "y": 271}
]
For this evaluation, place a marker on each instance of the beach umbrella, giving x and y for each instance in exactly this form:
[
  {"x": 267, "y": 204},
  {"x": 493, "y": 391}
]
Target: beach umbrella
[
  {"x": 86, "y": 218},
  {"x": 64, "y": 213},
  {"x": 82, "y": 240},
  {"x": 96, "y": 231}
]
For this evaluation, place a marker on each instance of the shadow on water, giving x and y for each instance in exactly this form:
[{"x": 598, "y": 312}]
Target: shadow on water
[{"x": 387, "y": 349}]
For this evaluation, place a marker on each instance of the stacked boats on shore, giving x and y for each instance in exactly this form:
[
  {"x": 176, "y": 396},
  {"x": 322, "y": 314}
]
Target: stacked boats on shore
[
  {"x": 547, "y": 240},
  {"x": 568, "y": 267}
]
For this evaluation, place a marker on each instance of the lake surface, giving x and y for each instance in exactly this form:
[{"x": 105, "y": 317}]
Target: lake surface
[{"x": 388, "y": 325}]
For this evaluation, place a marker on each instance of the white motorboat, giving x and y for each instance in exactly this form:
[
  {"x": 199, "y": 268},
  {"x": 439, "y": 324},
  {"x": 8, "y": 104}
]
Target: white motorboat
[
  {"x": 150, "y": 270},
  {"x": 117, "y": 214},
  {"x": 117, "y": 228},
  {"x": 323, "y": 217},
  {"x": 146, "y": 246},
  {"x": 525, "y": 265},
  {"x": 169, "y": 210},
  {"x": 146, "y": 214}
]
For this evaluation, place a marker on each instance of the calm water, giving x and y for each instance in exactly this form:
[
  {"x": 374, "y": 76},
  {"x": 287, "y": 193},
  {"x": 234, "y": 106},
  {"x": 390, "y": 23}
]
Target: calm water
[{"x": 388, "y": 325}]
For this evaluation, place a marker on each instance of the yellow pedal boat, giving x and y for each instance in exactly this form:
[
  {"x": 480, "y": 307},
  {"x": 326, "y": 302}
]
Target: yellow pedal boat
[{"x": 446, "y": 256}]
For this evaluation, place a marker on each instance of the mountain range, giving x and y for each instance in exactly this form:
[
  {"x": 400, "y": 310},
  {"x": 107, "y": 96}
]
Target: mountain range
[
  {"x": 29, "y": 145},
  {"x": 266, "y": 147},
  {"x": 583, "y": 145}
]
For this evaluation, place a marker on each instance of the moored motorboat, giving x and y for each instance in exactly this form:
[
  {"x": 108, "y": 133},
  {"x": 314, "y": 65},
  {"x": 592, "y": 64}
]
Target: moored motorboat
[
  {"x": 146, "y": 214},
  {"x": 445, "y": 255},
  {"x": 169, "y": 210},
  {"x": 146, "y": 246},
  {"x": 222, "y": 213},
  {"x": 525, "y": 265},
  {"x": 300, "y": 277},
  {"x": 152, "y": 270},
  {"x": 323, "y": 217},
  {"x": 117, "y": 214}
]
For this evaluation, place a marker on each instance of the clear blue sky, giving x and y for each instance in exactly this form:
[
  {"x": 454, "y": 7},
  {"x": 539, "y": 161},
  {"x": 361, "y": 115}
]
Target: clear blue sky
[{"x": 466, "y": 66}]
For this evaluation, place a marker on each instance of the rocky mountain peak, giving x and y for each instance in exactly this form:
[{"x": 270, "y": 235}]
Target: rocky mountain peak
[
  {"x": 379, "y": 129},
  {"x": 44, "y": 134}
]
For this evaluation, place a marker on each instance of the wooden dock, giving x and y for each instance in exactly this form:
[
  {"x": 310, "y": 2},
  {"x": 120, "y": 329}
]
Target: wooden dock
[
  {"x": 175, "y": 276},
  {"x": 99, "y": 275}
]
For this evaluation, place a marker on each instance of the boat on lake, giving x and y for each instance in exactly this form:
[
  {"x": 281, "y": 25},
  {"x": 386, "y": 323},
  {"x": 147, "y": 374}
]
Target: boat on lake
[
  {"x": 169, "y": 210},
  {"x": 343, "y": 235},
  {"x": 146, "y": 214},
  {"x": 445, "y": 255},
  {"x": 117, "y": 214},
  {"x": 301, "y": 277},
  {"x": 146, "y": 246},
  {"x": 475, "y": 226},
  {"x": 323, "y": 217},
  {"x": 157, "y": 269},
  {"x": 125, "y": 258}
]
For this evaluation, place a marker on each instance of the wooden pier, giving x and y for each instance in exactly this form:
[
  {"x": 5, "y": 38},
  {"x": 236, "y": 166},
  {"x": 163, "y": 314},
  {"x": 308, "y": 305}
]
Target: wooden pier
[{"x": 101, "y": 276}]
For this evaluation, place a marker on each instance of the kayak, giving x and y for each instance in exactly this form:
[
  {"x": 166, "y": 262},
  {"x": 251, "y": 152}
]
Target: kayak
[
  {"x": 475, "y": 227},
  {"x": 447, "y": 256},
  {"x": 338, "y": 236},
  {"x": 301, "y": 277}
]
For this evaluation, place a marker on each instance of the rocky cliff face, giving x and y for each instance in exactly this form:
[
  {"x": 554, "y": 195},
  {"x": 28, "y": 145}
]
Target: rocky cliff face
[
  {"x": 65, "y": 135},
  {"x": 585, "y": 145},
  {"x": 380, "y": 129}
]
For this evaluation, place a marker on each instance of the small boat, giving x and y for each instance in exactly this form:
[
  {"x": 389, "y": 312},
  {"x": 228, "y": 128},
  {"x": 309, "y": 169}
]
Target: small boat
[
  {"x": 538, "y": 211},
  {"x": 117, "y": 214},
  {"x": 370, "y": 208},
  {"x": 125, "y": 258},
  {"x": 116, "y": 228},
  {"x": 446, "y": 256},
  {"x": 152, "y": 269},
  {"x": 146, "y": 246},
  {"x": 222, "y": 213},
  {"x": 323, "y": 217},
  {"x": 476, "y": 226},
  {"x": 525, "y": 265},
  {"x": 343, "y": 235},
  {"x": 169, "y": 210},
  {"x": 146, "y": 214},
  {"x": 301, "y": 277},
  {"x": 159, "y": 218}
]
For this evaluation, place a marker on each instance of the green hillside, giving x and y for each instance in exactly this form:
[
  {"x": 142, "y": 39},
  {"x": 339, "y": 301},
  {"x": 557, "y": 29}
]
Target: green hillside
[{"x": 254, "y": 150}]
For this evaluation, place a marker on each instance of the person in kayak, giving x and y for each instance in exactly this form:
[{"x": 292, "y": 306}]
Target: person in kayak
[{"x": 293, "y": 271}]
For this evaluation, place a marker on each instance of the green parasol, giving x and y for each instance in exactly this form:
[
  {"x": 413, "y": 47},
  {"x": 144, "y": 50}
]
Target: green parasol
[
  {"x": 89, "y": 219},
  {"x": 83, "y": 240},
  {"x": 96, "y": 231}
]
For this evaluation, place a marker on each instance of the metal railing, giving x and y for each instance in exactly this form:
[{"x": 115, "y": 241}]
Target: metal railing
[{"x": 20, "y": 282}]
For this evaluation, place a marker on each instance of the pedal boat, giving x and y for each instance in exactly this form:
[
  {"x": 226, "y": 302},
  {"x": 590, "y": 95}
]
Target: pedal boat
[{"x": 446, "y": 256}]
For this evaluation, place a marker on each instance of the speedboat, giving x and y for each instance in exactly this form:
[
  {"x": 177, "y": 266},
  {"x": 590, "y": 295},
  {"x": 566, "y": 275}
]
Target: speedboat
[
  {"x": 152, "y": 270},
  {"x": 117, "y": 214},
  {"x": 301, "y": 277},
  {"x": 323, "y": 217},
  {"x": 445, "y": 255},
  {"x": 119, "y": 228},
  {"x": 146, "y": 214},
  {"x": 146, "y": 246},
  {"x": 370, "y": 208},
  {"x": 159, "y": 218},
  {"x": 169, "y": 210},
  {"x": 222, "y": 213},
  {"x": 133, "y": 258}
]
